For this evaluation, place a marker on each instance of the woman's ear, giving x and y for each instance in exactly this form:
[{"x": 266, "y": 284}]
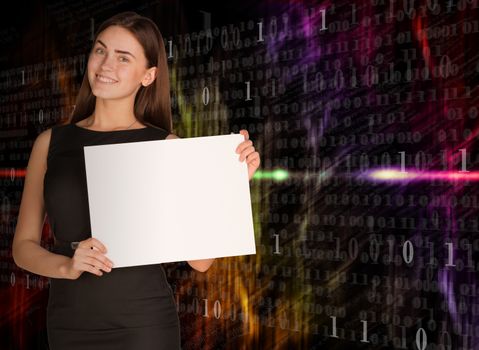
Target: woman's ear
[{"x": 149, "y": 77}]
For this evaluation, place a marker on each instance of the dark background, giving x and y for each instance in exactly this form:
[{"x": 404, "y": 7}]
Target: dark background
[{"x": 344, "y": 260}]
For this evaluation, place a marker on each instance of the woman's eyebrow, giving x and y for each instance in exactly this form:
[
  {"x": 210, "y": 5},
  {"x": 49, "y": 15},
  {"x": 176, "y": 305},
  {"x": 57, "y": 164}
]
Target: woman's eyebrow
[{"x": 118, "y": 51}]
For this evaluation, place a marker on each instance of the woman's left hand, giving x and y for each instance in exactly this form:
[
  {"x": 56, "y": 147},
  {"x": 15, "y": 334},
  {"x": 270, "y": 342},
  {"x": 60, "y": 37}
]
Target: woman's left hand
[{"x": 247, "y": 151}]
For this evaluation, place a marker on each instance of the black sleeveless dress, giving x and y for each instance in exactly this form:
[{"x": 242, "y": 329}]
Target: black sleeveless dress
[{"x": 127, "y": 308}]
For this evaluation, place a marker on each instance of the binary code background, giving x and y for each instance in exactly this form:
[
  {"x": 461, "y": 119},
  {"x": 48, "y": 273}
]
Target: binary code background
[{"x": 365, "y": 206}]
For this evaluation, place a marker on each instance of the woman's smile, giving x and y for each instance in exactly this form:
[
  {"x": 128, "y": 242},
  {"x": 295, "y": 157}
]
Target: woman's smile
[{"x": 105, "y": 80}]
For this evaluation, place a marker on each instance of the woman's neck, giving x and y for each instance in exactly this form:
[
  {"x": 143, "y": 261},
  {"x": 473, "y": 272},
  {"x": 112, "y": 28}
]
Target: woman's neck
[{"x": 111, "y": 114}]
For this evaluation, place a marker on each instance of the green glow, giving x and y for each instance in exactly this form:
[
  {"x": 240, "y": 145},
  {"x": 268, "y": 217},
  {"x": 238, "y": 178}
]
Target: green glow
[{"x": 276, "y": 175}]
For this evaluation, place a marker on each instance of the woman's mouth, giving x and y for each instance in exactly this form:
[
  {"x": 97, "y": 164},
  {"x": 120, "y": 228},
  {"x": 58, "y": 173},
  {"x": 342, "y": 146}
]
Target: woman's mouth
[{"x": 105, "y": 80}]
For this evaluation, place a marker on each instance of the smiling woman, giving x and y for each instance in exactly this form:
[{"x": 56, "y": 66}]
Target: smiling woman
[{"x": 124, "y": 97}]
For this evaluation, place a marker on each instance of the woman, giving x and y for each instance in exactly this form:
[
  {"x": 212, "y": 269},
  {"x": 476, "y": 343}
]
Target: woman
[{"x": 124, "y": 97}]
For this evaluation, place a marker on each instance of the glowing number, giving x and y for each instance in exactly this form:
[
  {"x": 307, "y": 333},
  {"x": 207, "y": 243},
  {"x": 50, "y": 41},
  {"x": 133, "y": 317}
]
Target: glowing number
[
  {"x": 365, "y": 332},
  {"x": 353, "y": 14},
  {"x": 421, "y": 339},
  {"x": 248, "y": 90},
  {"x": 206, "y": 308},
  {"x": 276, "y": 245},
  {"x": 170, "y": 48},
  {"x": 217, "y": 309},
  {"x": 260, "y": 32},
  {"x": 323, "y": 19},
  {"x": 408, "y": 252},
  {"x": 449, "y": 255},
  {"x": 334, "y": 335},
  {"x": 463, "y": 160},
  {"x": 403, "y": 161},
  {"x": 206, "y": 95}
]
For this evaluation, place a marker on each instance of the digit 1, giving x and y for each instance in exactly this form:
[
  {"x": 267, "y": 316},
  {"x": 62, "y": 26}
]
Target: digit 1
[
  {"x": 463, "y": 160},
  {"x": 23, "y": 77},
  {"x": 260, "y": 31},
  {"x": 206, "y": 308},
  {"x": 323, "y": 19},
  {"x": 248, "y": 92},
  {"x": 353, "y": 14},
  {"x": 170, "y": 48},
  {"x": 28, "y": 281},
  {"x": 365, "y": 332},
  {"x": 273, "y": 87},
  {"x": 449, "y": 255},
  {"x": 276, "y": 244},
  {"x": 335, "y": 335},
  {"x": 403, "y": 161}
]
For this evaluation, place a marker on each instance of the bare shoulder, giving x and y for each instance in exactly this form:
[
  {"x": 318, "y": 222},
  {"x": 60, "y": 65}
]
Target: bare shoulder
[
  {"x": 172, "y": 136},
  {"x": 43, "y": 139},
  {"x": 41, "y": 145}
]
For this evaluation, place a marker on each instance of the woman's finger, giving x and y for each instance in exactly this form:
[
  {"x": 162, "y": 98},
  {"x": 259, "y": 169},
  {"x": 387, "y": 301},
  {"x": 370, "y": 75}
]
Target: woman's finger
[
  {"x": 96, "y": 243},
  {"x": 243, "y": 145},
  {"x": 245, "y": 133},
  {"x": 100, "y": 257},
  {"x": 245, "y": 153}
]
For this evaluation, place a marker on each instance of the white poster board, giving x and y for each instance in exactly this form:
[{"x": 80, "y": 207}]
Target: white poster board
[{"x": 170, "y": 200}]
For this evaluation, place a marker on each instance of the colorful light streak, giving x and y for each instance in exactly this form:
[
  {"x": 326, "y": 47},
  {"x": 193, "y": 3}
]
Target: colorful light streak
[{"x": 413, "y": 175}]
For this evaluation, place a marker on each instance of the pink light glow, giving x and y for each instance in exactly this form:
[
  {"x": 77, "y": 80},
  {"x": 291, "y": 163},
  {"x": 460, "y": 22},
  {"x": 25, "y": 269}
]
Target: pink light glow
[{"x": 413, "y": 175}]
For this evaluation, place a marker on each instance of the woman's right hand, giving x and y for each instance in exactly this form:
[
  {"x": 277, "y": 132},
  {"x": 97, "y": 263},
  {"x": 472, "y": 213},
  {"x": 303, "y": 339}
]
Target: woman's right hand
[{"x": 89, "y": 256}]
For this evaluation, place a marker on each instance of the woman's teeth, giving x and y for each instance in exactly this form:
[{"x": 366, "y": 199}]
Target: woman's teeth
[{"x": 105, "y": 79}]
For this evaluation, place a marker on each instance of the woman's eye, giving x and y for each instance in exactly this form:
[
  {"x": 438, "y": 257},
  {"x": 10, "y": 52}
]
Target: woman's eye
[
  {"x": 99, "y": 50},
  {"x": 124, "y": 59}
]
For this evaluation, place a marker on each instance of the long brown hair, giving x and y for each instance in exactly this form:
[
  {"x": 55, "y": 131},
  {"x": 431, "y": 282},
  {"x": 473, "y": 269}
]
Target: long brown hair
[{"x": 152, "y": 103}]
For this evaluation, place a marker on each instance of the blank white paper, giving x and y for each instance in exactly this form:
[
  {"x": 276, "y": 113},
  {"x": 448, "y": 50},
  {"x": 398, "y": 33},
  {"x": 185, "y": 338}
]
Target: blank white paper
[{"x": 172, "y": 200}]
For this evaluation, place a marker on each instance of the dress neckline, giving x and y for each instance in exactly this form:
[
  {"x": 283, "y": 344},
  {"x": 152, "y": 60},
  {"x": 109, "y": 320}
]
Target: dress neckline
[{"x": 106, "y": 131}]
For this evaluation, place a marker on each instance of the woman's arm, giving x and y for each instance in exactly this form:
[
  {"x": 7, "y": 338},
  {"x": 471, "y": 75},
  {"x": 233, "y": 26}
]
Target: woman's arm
[{"x": 26, "y": 249}]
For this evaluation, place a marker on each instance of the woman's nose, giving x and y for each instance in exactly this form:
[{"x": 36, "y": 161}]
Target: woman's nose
[{"x": 108, "y": 62}]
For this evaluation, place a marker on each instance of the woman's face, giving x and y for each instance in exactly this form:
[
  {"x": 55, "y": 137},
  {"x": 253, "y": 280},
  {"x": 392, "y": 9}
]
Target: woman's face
[{"x": 117, "y": 65}]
